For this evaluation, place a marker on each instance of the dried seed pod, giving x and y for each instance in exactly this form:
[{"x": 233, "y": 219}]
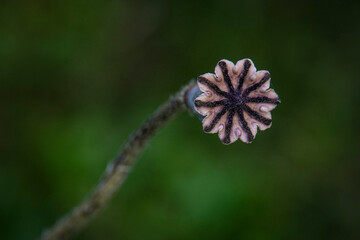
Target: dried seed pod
[{"x": 236, "y": 100}]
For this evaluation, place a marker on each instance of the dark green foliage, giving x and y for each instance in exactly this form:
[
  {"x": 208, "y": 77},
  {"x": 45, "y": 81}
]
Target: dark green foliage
[{"x": 77, "y": 77}]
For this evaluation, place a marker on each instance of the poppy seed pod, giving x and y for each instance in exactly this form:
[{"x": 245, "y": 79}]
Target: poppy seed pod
[{"x": 235, "y": 101}]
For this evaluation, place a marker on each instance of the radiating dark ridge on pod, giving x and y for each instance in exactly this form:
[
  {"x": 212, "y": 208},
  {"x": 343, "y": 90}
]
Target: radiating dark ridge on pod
[
  {"x": 212, "y": 86},
  {"x": 275, "y": 101},
  {"x": 225, "y": 73},
  {"x": 215, "y": 120},
  {"x": 257, "y": 116},
  {"x": 265, "y": 78},
  {"x": 199, "y": 103},
  {"x": 245, "y": 126},
  {"x": 228, "y": 126},
  {"x": 243, "y": 74}
]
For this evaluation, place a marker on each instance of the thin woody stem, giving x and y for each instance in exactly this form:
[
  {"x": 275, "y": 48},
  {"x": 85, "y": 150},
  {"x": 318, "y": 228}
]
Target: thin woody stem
[{"x": 117, "y": 171}]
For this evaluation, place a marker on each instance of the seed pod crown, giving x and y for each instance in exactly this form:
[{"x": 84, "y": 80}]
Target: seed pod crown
[{"x": 236, "y": 101}]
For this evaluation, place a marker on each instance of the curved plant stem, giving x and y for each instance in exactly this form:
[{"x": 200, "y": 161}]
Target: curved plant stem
[{"x": 117, "y": 170}]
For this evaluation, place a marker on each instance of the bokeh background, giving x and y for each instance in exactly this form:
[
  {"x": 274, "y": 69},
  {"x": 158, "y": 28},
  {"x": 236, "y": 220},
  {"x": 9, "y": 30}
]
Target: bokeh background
[{"x": 77, "y": 77}]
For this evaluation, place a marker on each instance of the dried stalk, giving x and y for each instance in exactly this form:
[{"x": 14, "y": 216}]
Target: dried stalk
[{"x": 117, "y": 171}]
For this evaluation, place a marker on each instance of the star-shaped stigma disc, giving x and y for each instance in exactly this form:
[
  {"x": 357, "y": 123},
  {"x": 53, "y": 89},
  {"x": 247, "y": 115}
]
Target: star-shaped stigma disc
[{"x": 236, "y": 100}]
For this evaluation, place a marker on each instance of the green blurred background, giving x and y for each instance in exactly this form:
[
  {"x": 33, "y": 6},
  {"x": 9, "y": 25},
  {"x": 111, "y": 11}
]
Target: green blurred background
[{"x": 77, "y": 77}]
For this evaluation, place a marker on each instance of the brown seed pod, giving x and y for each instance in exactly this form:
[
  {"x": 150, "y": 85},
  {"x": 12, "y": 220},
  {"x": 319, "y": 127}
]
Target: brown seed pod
[{"x": 236, "y": 100}]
